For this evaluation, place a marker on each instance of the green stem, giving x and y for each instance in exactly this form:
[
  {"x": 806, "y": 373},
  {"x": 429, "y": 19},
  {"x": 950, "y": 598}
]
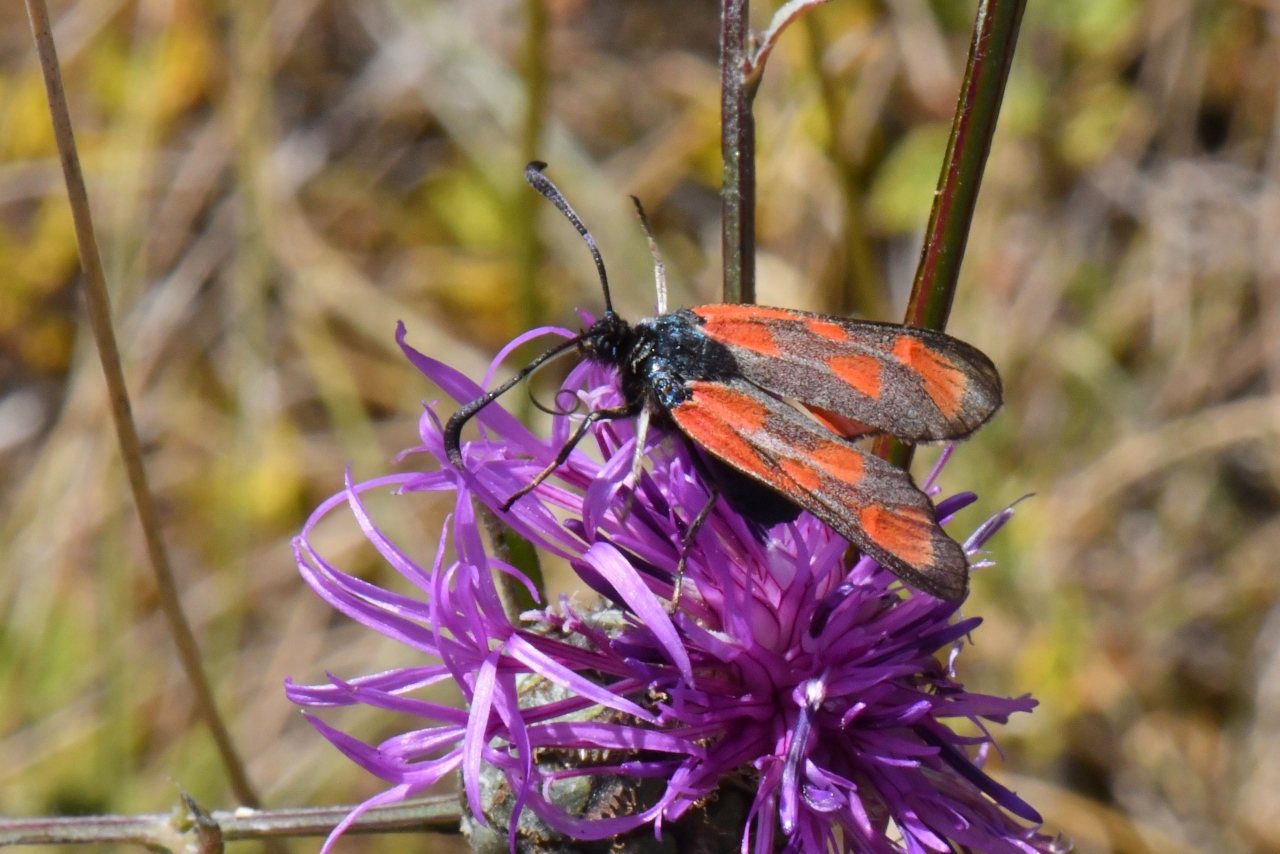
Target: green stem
[
  {"x": 738, "y": 150},
  {"x": 995, "y": 35},
  {"x": 512, "y": 547}
]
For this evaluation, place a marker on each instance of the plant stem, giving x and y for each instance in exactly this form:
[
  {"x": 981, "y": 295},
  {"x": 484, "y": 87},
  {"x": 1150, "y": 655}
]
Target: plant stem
[
  {"x": 995, "y": 35},
  {"x": 789, "y": 13},
  {"x": 99, "y": 309},
  {"x": 513, "y": 548},
  {"x": 172, "y": 831},
  {"x": 738, "y": 150}
]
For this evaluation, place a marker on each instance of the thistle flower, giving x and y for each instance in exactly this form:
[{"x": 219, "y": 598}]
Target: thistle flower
[{"x": 818, "y": 685}]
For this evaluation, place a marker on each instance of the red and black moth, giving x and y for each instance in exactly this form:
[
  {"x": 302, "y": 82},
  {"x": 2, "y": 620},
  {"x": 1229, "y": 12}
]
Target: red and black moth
[{"x": 721, "y": 374}]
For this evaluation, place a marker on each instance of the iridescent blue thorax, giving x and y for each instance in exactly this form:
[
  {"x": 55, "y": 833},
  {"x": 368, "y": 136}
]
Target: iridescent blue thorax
[{"x": 659, "y": 356}]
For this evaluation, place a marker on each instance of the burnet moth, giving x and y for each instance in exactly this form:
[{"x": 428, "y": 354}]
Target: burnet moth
[{"x": 722, "y": 376}]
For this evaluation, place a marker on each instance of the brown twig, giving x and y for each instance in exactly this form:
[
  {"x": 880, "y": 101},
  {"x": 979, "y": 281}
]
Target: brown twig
[
  {"x": 207, "y": 833},
  {"x": 189, "y": 828},
  {"x": 742, "y": 64},
  {"x": 99, "y": 308},
  {"x": 738, "y": 150}
]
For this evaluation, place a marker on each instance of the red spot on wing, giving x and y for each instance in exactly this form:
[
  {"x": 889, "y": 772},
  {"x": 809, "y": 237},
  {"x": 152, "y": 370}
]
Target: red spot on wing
[
  {"x": 861, "y": 372},
  {"x": 906, "y": 532},
  {"x": 804, "y": 475},
  {"x": 715, "y": 417},
  {"x": 840, "y": 461},
  {"x": 828, "y": 330},
  {"x": 746, "y": 334},
  {"x": 943, "y": 381},
  {"x": 742, "y": 312},
  {"x": 741, "y": 410},
  {"x": 842, "y": 425}
]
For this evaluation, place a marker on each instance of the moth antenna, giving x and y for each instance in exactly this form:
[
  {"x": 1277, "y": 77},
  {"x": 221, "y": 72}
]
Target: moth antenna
[
  {"x": 541, "y": 183},
  {"x": 557, "y": 409},
  {"x": 659, "y": 269},
  {"x": 459, "y": 419}
]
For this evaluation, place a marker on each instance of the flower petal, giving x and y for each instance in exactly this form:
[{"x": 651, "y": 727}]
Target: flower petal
[
  {"x": 524, "y": 652},
  {"x": 631, "y": 586},
  {"x": 477, "y": 733}
]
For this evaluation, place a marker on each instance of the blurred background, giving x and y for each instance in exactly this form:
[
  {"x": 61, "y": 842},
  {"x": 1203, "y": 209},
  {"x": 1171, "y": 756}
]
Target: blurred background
[{"x": 276, "y": 184}]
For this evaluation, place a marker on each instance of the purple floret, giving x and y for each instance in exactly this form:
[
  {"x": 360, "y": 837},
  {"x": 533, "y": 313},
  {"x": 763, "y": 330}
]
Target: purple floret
[{"x": 825, "y": 685}]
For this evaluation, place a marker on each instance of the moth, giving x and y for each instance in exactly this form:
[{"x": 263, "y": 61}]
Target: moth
[{"x": 726, "y": 376}]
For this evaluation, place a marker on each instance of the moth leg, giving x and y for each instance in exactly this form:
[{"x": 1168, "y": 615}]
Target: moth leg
[
  {"x": 687, "y": 543},
  {"x": 637, "y": 463},
  {"x": 642, "y": 433},
  {"x": 567, "y": 448}
]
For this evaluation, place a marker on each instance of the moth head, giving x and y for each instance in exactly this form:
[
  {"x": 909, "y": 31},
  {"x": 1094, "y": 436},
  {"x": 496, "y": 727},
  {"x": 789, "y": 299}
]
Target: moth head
[{"x": 608, "y": 339}]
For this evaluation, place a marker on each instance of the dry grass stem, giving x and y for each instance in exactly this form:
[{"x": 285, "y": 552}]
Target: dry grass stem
[{"x": 99, "y": 306}]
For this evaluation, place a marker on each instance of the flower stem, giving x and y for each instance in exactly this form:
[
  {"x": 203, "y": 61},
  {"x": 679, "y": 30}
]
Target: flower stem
[
  {"x": 174, "y": 831},
  {"x": 738, "y": 150},
  {"x": 995, "y": 35},
  {"x": 98, "y": 301},
  {"x": 511, "y": 548},
  {"x": 514, "y": 548}
]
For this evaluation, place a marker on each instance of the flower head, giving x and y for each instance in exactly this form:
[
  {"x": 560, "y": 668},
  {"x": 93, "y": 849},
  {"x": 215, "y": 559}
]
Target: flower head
[{"x": 818, "y": 684}]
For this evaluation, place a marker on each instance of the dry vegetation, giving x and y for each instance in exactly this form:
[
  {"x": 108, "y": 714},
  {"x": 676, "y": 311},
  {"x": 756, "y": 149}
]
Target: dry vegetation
[{"x": 276, "y": 184}]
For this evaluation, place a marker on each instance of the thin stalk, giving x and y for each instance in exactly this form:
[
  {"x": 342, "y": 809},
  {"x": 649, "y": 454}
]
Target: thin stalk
[
  {"x": 174, "y": 831},
  {"x": 787, "y": 14},
  {"x": 507, "y": 543},
  {"x": 99, "y": 309},
  {"x": 511, "y": 548},
  {"x": 743, "y": 57},
  {"x": 738, "y": 150},
  {"x": 995, "y": 35}
]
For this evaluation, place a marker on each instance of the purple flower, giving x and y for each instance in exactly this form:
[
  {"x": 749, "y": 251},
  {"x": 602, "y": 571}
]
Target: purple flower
[{"x": 819, "y": 683}]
